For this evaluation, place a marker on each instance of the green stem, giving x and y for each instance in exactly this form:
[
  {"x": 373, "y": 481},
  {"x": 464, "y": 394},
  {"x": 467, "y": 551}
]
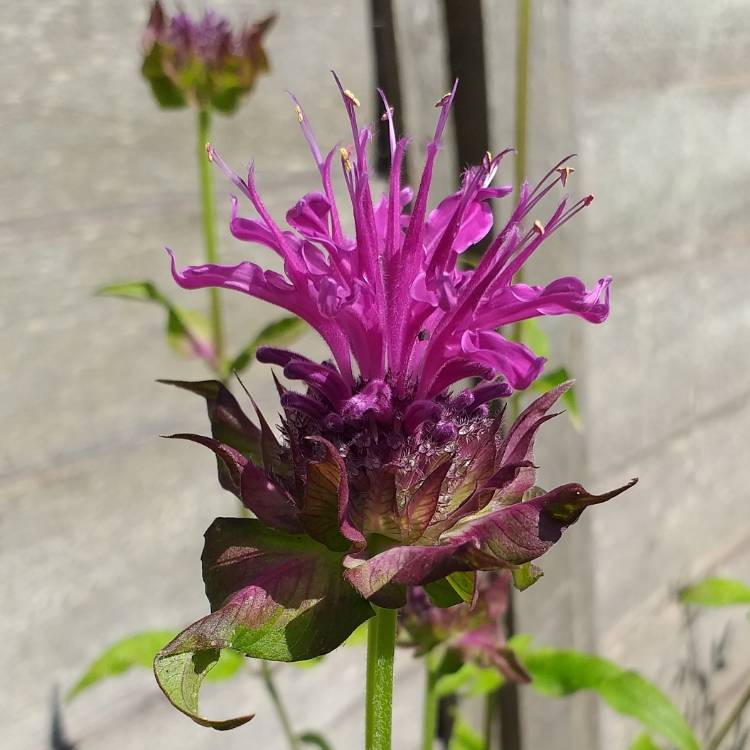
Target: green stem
[
  {"x": 430, "y": 712},
  {"x": 730, "y": 721},
  {"x": 522, "y": 89},
  {"x": 381, "y": 644},
  {"x": 209, "y": 232},
  {"x": 520, "y": 136},
  {"x": 507, "y": 702},
  {"x": 283, "y": 716}
]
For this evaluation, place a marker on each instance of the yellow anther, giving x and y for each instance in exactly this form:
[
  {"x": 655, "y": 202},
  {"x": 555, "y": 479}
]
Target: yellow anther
[
  {"x": 443, "y": 100},
  {"x": 539, "y": 227},
  {"x": 210, "y": 151},
  {"x": 488, "y": 155},
  {"x": 565, "y": 172},
  {"x": 300, "y": 116},
  {"x": 353, "y": 99},
  {"x": 345, "y": 158},
  {"x": 387, "y": 114}
]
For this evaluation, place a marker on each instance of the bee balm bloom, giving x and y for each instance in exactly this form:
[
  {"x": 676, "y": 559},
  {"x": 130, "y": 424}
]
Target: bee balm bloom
[
  {"x": 466, "y": 632},
  {"x": 202, "y": 62},
  {"x": 388, "y": 475}
]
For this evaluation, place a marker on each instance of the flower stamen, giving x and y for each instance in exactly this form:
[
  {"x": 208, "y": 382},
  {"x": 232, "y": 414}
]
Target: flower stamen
[{"x": 350, "y": 96}]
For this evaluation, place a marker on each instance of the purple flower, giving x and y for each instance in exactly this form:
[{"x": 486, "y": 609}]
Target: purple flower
[
  {"x": 387, "y": 477},
  {"x": 202, "y": 62},
  {"x": 475, "y": 631},
  {"x": 391, "y": 301}
]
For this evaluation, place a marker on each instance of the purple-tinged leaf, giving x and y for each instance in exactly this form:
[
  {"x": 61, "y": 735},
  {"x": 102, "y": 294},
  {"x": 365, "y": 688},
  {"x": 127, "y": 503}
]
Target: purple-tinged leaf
[
  {"x": 518, "y": 446},
  {"x": 326, "y": 514},
  {"x": 421, "y": 506},
  {"x": 373, "y": 500},
  {"x": 381, "y": 578},
  {"x": 229, "y": 424},
  {"x": 230, "y": 462},
  {"x": 272, "y": 452},
  {"x": 272, "y": 504},
  {"x": 274, "y": 596},
  {"x": 504, "y": 538},
  {"x": 522, "y": 532},
  {"x": 515, "y": 445},
  {"x": 568, "y": 400},
  {"x": 481, "y": 454}
]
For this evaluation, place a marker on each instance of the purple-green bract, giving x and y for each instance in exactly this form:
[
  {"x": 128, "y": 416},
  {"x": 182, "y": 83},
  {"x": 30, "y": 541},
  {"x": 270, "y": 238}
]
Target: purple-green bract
[
  {"x": 203, "y": 61},
  {"x": 387, "y": 477}
]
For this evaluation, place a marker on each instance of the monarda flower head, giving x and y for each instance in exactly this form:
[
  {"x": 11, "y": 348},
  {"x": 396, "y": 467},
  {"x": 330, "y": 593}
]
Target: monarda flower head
[
  {"x": 389, "y": 475},
  {"x": 201, "y": 62}
]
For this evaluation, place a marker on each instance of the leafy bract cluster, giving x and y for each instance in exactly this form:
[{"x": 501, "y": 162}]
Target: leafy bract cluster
[
  {"x": 329, "y": 539},
  {"x": 202, "y": 62}
]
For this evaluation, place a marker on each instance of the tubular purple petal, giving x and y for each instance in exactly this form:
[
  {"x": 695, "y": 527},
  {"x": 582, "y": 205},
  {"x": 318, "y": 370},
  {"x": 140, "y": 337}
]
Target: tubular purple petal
[{"x": 389, "y": 300}]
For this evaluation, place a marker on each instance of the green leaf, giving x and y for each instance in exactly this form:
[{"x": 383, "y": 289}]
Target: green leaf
[
  {"x": 526, "y": 575},
  {"x": 442, "y": 594},
  {"x": 187, "y": 331},
  {"x": 358, "y": 637},
  {"x": 308, "y": 663},
  {"x": 139, "y": 650},
  {"x": 138, "y": 290},
  {"x": 716, "y": 592},
  {"x": 165, "y": 91},
  {"x": 551, "y": 380},
  {"x": 534, "y": 337},
  {"x": 229, "y": 664},
  {"x": 643, "y": 742},
  {"x": 469, "y": 680},
  {"x": 315, "y": 739},
  {"x": 465, "y": 738},
  {"x": 463, "y": 584},
  {"x": 227, "y": 100},
  {"x": 279, "y": 333},
  {"x": 560, "y": 672}
]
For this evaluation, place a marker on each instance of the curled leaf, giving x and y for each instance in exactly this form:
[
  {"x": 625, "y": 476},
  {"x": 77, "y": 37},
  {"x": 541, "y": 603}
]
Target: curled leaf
[{"x": 273, "y": 595}]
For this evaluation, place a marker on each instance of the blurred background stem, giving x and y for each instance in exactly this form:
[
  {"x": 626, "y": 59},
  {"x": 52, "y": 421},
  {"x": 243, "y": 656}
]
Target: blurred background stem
[
  {"x": 733, "y": 717},
  {"x": 286, "y": 724},
  {"x": 508, "y": 699},
  {"x": 520, "y": 130},
  {"x": 430, "y": 710},
  {"x": 209, "y": 232}
]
